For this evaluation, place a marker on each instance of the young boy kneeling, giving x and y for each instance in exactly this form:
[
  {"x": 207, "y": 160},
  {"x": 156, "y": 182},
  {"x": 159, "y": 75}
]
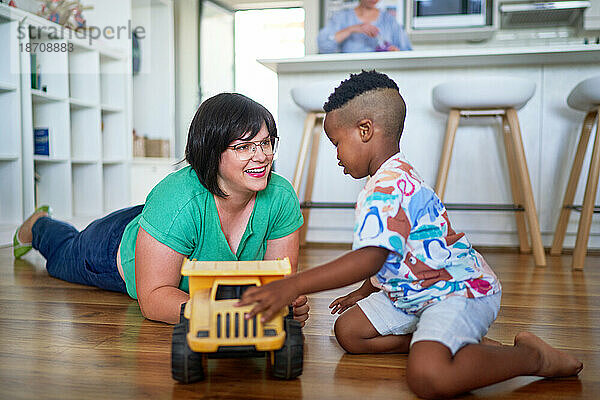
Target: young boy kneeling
[{"x": 426, "y": 290}]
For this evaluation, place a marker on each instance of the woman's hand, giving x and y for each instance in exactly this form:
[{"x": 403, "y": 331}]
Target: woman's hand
[
  {"x": 343, "y": 303},
  {"x": 301, "y": 309},
  {"x": 270, "y": 299}
]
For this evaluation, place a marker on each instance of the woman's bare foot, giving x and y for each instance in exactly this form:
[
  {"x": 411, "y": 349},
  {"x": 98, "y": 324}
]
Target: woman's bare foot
[
  {"x": 25, "y": 235},
  {"x": 553, "y": 362},
  {"x": 490, "y": 342}
]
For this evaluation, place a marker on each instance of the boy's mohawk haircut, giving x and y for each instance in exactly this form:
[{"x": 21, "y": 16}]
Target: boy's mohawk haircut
[{"x": 356, "y": 85}]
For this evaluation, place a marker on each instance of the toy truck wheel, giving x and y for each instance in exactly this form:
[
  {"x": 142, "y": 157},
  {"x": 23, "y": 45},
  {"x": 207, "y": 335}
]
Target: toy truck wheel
[
  {"x": 186, "y": 365},
  {"x": 289, "y": 359}
]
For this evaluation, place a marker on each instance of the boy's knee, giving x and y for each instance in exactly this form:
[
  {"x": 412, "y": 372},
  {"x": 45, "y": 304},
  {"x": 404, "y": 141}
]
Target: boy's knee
[
  {"x": 346, "y": 336},
  {"x": 426, "y": 380}
]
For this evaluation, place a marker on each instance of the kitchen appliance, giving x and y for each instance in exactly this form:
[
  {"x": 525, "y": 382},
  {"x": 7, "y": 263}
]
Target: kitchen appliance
[
  {"x": 534, "y": 14},
  {"x": 444, "y": 14}
]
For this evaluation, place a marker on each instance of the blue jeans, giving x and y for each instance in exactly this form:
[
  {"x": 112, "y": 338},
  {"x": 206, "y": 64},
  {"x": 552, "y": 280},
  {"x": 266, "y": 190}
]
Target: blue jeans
[{"x": 88, "y": 257}]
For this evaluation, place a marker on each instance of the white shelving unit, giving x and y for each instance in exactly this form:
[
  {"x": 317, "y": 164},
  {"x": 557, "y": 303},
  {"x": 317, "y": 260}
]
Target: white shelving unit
[
  {"x": 11, "y": 201},
  {"x": 84, "y": 102}
]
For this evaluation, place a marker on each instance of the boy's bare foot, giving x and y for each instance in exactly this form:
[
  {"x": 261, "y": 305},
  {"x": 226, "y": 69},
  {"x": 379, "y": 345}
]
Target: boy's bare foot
[
  {"x": 553, "y": 362},
  {"x": 25, "y": 235}
]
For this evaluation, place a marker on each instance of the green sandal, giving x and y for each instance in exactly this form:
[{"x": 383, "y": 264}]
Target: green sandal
[{"x": 20, "y": 249}]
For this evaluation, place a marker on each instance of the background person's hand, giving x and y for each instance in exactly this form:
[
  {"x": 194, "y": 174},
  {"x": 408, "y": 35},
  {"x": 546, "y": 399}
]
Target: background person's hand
[{"x": 367, "y": 29}]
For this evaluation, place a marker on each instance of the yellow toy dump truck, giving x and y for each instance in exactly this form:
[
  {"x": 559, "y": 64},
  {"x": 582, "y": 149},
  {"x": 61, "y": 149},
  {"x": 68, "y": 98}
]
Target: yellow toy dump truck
[{"x": 212, "y": 326}]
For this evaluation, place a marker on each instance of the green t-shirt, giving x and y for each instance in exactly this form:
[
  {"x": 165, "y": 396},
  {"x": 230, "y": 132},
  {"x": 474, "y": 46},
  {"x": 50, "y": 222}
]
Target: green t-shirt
[{"x": 181, "y": 213}]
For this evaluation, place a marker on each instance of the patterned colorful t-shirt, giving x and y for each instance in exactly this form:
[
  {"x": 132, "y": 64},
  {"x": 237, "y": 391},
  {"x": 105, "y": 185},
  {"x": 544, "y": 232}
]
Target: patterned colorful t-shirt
[{"x": 396, "y": 210}]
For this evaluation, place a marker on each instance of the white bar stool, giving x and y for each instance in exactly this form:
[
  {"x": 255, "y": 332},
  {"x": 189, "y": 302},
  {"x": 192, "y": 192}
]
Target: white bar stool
[
  {"x": 584, "y": 97},
  {"x": 311, "y": 99},
  {"x": 494, "y": 96}
]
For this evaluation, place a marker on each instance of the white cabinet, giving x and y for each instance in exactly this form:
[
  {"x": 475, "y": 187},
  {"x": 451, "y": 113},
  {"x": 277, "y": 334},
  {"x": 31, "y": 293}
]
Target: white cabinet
[{"x": 146, "y": 173}]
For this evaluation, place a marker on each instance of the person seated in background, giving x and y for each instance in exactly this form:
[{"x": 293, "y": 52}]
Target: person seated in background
[{"x": 362, "y": 29}]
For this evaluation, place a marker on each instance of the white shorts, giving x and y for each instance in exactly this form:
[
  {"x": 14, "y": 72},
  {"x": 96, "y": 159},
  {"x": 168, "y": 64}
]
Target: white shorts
[{"x": 455, "y": 321}]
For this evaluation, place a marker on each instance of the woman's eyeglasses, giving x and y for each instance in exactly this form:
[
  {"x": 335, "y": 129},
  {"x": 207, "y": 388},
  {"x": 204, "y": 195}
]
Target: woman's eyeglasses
[{"x": 245, "y": 151}]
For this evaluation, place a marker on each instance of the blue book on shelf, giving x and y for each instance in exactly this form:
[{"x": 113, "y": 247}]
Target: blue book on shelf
[{"x": 41, "y": 141}]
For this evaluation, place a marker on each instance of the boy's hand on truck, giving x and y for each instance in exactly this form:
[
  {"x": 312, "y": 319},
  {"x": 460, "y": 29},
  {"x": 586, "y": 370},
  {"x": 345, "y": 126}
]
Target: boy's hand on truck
[{"x": 270, "y": 299}]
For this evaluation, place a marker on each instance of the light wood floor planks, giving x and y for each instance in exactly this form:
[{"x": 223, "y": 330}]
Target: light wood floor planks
[{"x": 66, "y": 341}]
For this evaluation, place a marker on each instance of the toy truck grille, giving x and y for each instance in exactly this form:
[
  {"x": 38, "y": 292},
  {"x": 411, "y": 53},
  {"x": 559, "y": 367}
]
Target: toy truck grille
[{"x": 234, "y": 325}]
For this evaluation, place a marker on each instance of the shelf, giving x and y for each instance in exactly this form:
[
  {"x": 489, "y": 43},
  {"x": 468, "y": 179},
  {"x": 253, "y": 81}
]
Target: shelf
[
  {"x": 112, "y": 83},
  {"x": 115, "y": 136},
  {"x": 86, "y": 142},
  {"x": 110, "y": 109},
  {"x": 46, "y": 159},
  {"x": 54, "y": 187},
  {"x": 83, "y": 161},
  {"x": 84, "y": 75},
  {"x": 156, "y": 160},
  {"x": 87, "y": 189},
  {"x": 116, "y": 177},
  {"x": 39, "y": 97},
  {"x": 7, "y": 87},
  {"x": 9, "y": 157},
  {"x": 113, "y": 161},
  {"x": 52, "y": 68},
  {"x": 9, "y": 57},
  {"x": 55, "y": 116},
  {"x": 10, "y": 135},
  {"x": 10, "y": 195},
  {"x": 109, "y": 55},
  {"x": 80, "y": 104}
]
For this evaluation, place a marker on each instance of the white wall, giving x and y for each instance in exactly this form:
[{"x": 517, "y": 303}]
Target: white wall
[
  {"x": 186, "y": 69},
  {"x": 311, "y": 26}
]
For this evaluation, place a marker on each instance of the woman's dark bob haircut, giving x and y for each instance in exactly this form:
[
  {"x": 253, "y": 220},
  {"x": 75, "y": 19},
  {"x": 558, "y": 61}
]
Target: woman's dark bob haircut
[{"x": 219, "y": 121}]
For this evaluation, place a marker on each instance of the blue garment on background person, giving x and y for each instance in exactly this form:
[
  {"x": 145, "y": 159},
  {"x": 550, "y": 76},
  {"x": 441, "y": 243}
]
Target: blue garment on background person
[{"x": 389, "y": 30}]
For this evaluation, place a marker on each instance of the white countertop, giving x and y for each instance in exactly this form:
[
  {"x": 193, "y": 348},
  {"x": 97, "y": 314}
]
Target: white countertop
[{"x": 435, "y": 58}]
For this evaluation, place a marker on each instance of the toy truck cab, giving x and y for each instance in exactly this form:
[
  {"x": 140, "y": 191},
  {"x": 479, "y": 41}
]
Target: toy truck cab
[{"x": 211, "y": 325}]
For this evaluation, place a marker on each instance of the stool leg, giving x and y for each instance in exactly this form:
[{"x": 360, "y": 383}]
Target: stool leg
[
  {"x": 452, "y": 125},
  {"x": 309, "y": 124},
  {"x": 585, "y": 221},
  {"x": 515, "y": 188},
  {"x": 529, "y": 202},
  {"x": 310, "y": 178},
  {"x": 565, "y": 212}
]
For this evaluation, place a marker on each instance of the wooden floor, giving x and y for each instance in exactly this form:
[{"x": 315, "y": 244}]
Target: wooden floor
[{"x": 66, "y": 341}]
